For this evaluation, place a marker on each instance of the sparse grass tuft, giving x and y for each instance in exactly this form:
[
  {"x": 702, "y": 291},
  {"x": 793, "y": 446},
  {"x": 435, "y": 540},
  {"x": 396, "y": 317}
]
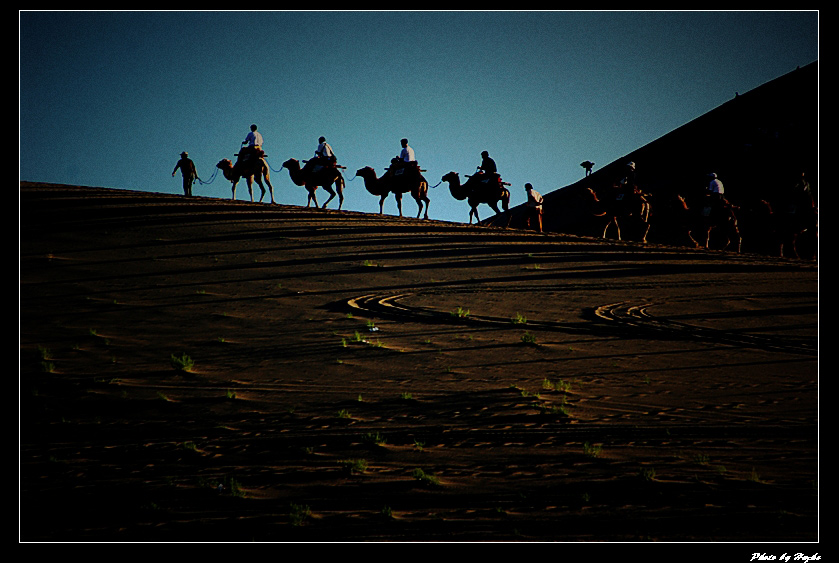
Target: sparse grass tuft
[
  {"x": 460, "y": 312},
  {"x": 373, "y": 438},
  {"x": 182, "y": 363},
  {"x": 425, "y": 478},
  {"x": 592, "y": 450},
  {"x": 528, "y": 339},
  {"x": 519, "y": 319},
  {"x": 353, "y": 466},
  {"x": 298, "y": 513}
]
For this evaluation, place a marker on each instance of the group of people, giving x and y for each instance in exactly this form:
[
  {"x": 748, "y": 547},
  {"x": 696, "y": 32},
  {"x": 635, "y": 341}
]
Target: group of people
[{"x": 325, "y": 156}]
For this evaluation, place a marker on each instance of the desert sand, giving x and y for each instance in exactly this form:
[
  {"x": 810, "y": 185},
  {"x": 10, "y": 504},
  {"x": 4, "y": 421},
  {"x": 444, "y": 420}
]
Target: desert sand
[{"x": 359, "y": 377}]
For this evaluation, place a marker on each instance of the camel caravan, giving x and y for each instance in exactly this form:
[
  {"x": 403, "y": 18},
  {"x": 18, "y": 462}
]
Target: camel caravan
[{"x": 620, "y": 209}]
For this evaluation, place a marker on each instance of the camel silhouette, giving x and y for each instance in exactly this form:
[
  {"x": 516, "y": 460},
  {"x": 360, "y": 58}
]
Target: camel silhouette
[
  {"x": 398, "y": 182},
  {"x": 478, "y": 189},
  {"x": 323, "y": 176},
  {"x": 252, "y": 170}
]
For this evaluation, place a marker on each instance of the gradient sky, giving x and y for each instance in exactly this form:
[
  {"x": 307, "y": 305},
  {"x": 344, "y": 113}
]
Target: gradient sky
[{"x": 112, "y": 98}]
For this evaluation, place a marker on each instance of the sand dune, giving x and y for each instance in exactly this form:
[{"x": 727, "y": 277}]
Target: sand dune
[{"x": 368, "y": 378}]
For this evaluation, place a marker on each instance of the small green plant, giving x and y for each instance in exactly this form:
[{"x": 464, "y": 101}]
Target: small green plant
[
  {"x": 701, "y": 459},
  {"x": 425, "y": 478},
  {"x": 592, "y": 450},
  {"x": 182, "y": 363},
  {"x": 231, "y": 394},
  {"x": 353, "y": 466},
  {"x": 344, "y": 413},
  {"x": 559, "y": 410},
  {"x": 373, "y": 438},
  {"x": 298, "y": 513},
  {"x": 519, "y": 319},
  {"x": 233, "y": 486},
  {"x": 387, "y": 512},
  {"x": 460, "y": 312},
  {"x": 406, "y": 396},
  {"x": 528, "y": 339},
  {"x": 648, "y": 473},
  {"x": 419, "y": 445},
  {"x": 190, "y": 446},
  {"x": 368, "y": 264},
  {"x": 754, "y": 477}
]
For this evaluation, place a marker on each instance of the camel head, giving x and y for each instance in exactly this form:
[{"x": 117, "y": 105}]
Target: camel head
[
  {"x": 291, "y": 164},
  {"x": 451, "y": 176},
  {"x": 225, "y": 164},
  {"x": 366, "y": 172}
]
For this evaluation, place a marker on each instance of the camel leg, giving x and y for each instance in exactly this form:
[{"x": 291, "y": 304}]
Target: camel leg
[
  {"x": 617, "y": 227},
  {"x": 234, "y": 190},
  {"x": 382, "y": 204},
  {"x": 270, "y": 187},
  {"x": 312, "y": 196},
  {"x": 250, "y": 187},
  {"x": 399, "y": 202},
  {"x": 693, "y": 240},
  {"x": 339, "y": 187},
  {"x": 261, "y": 187},
  {"x": 427, "y": 203},
  {"x": 331, "y": 193}
]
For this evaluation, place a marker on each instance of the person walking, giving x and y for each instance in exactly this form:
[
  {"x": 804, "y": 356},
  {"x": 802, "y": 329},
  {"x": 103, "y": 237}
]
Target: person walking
[
  {"x": 534, "y": 205},
  {"x": 187, "y": 171}
]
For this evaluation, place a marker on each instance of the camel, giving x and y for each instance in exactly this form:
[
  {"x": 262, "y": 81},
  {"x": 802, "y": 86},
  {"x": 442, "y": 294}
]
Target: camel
[
  {"x": 707, "y": 217},
  {"x": 251, "y": 170},
  {"x": 321, "y": 176},
  {"x": 479, "y": 190},
  {"x": 398, "y": 181},
  {"x": 797, "y": 216},
  {"x": 628, "y": 205},
  {"x": 779, "y": 232}
]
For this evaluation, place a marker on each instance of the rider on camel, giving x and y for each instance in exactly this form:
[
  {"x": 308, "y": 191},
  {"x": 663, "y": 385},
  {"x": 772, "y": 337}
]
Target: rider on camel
[
  {"x": 251, "y": 146},
  {"x": 324, "y": 156},
  {"x": 405, "y": 160}
]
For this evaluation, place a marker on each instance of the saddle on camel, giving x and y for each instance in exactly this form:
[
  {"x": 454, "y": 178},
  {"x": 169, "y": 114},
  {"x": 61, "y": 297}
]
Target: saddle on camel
[
  {"x": 318, "y": 163},
  {"x": 400, "y": 169},
  {"x": 247, "y": 155},
  {"x": 486, "y": 182}
]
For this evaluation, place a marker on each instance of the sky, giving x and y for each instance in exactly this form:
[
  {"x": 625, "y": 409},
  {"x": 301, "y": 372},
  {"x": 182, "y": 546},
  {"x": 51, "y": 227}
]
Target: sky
[{"x": 111, "y": 98}]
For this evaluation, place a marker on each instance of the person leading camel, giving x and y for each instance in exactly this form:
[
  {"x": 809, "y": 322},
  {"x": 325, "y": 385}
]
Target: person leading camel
[
  {"x": 534, "y": 205},
  {"x": 187, "y": 171}
]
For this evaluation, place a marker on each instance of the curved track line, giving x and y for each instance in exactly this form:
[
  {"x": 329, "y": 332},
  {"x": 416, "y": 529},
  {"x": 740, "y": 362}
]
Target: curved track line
[
  {"x": 634, "y": 316},
  {"x": 638, "y": 317}
]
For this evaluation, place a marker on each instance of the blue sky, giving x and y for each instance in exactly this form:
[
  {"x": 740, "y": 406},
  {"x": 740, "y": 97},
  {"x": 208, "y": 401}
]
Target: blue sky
[{"x": 112, "y": 98}]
